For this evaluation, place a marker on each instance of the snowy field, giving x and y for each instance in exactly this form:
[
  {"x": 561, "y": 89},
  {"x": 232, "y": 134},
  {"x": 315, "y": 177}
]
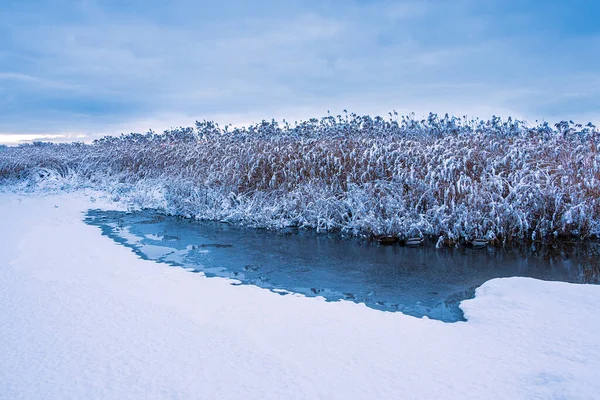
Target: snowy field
[{"x": 82, "y": 317}]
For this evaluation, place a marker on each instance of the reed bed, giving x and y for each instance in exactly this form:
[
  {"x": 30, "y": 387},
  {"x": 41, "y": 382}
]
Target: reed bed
[{"x": 446, "y": 178}]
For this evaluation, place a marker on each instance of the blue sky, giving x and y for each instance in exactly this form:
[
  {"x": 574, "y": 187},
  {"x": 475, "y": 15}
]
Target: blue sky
[{"x": 103, "y": 67}]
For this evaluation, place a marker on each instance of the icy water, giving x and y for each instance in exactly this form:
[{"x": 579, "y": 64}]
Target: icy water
[{"x": 420, "y": 281}]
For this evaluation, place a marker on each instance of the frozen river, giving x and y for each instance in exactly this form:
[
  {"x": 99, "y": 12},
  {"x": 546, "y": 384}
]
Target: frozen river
[{"x": 420, "y": 281}]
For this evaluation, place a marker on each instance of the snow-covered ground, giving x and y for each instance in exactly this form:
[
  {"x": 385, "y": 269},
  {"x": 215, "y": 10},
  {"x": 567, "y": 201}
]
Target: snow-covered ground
[{"x": 82, "y": 317}]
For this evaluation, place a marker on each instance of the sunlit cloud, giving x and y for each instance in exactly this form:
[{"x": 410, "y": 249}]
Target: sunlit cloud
[{"x": 12, "y": 139}]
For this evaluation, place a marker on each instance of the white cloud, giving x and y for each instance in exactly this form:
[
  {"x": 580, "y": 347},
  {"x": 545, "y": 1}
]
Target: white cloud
[{"x": 19, "y": 138}]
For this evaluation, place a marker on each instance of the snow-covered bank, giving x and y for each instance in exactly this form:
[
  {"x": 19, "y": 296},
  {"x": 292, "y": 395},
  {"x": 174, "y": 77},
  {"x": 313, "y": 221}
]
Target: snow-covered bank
[
  {"x": 452, "y": 179},
  {"x": 81, "y": 317}
]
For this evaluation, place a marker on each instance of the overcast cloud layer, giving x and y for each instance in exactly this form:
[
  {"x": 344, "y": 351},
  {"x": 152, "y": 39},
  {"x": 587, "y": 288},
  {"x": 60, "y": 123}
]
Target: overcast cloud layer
[{"x": 79, "y": 69}]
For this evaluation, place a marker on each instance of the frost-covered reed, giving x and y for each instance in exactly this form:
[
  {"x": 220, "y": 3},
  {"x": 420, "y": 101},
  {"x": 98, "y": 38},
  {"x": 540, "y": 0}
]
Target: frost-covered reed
[{"x": 449, "y": 178}]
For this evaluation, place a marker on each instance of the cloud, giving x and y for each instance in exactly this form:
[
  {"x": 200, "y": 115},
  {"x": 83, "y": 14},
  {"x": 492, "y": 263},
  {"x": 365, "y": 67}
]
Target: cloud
[
  {"x": 20, "y": 138},
  {"x": 99, "y": 67}
]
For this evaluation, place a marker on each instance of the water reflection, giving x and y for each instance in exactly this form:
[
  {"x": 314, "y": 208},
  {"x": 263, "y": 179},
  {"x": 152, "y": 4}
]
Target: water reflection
[{"x": 416, "y": 281}]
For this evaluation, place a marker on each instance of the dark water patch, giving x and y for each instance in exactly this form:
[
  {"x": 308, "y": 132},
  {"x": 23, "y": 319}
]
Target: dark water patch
[
  {"x": 421, "y": 281},
  {"x": 215, "y": 245}
]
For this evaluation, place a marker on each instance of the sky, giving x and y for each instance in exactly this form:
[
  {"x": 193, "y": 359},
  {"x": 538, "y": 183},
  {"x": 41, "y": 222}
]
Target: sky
[{"x": 76, "y": 70}]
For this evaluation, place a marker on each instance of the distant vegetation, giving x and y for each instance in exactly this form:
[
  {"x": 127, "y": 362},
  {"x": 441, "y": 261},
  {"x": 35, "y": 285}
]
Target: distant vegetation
[{"x": 444, "y": 177}]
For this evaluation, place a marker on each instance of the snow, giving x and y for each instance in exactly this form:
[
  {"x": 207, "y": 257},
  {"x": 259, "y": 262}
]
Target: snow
[
  {"x": 455, "y": 178},
  {"x": 82, "y": 317}
]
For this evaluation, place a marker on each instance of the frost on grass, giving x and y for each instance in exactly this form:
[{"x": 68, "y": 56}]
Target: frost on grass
[{"x": 446, "y": 177}]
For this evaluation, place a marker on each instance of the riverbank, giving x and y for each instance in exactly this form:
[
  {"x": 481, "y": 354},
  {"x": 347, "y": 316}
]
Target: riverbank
[
  {"x": 451, "y": 179},
  {"x": 83, "y": 317}
]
